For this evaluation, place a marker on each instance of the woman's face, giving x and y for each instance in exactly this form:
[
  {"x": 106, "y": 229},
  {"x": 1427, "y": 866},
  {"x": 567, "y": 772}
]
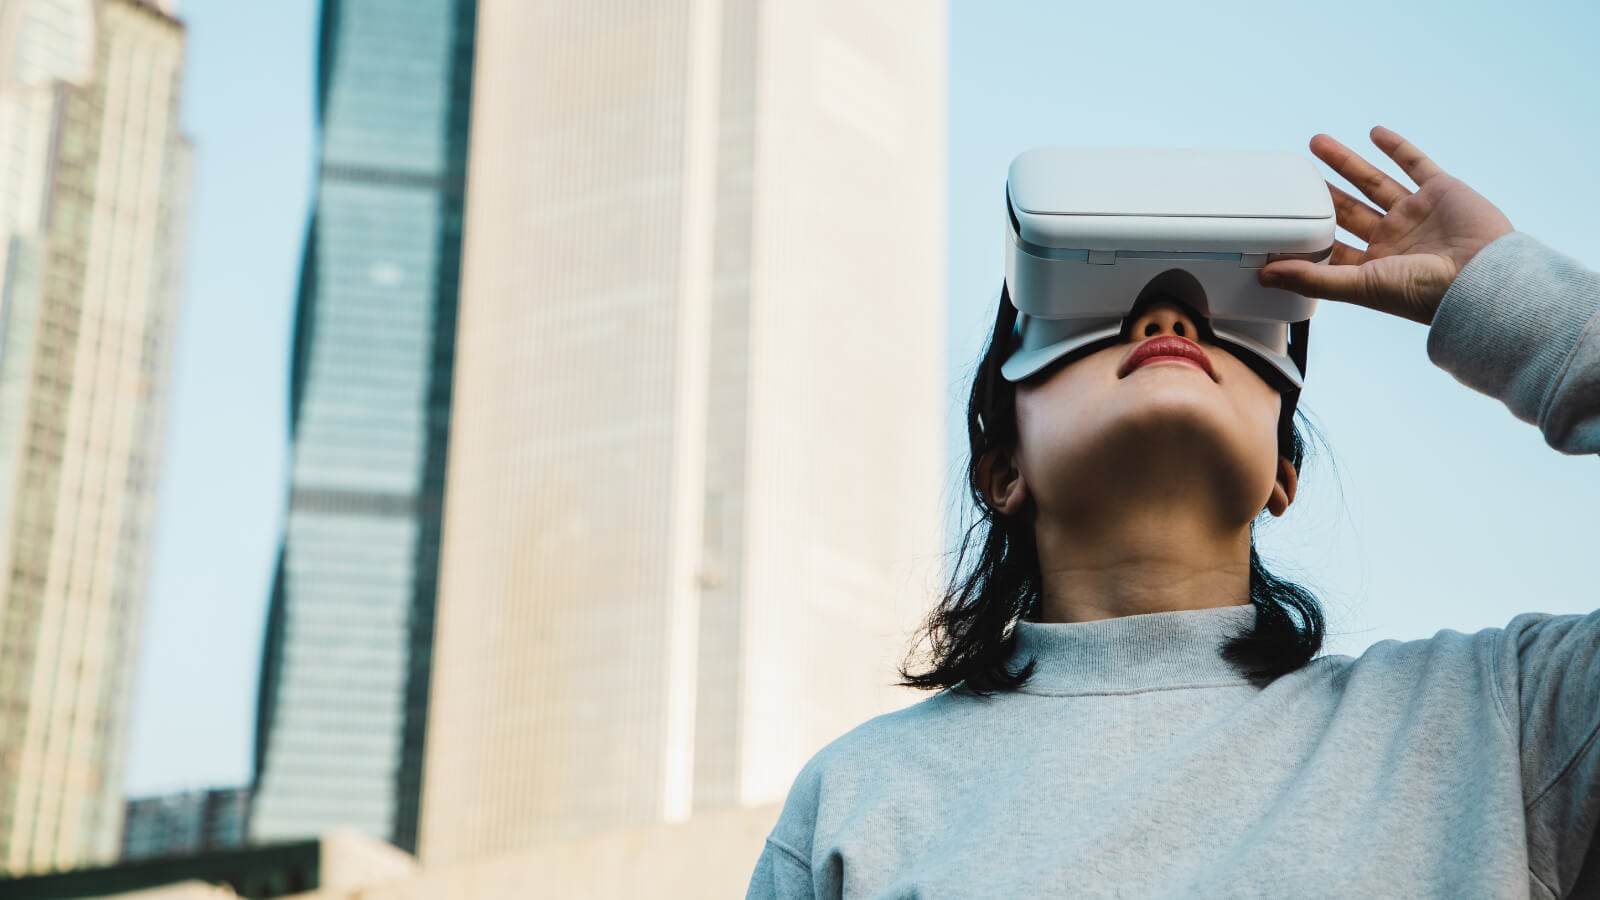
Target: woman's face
[{"x": 1096, "y": 434}]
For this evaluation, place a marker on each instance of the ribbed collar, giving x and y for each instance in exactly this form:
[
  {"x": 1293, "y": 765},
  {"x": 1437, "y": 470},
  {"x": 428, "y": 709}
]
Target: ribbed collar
[{"x": 1131, "y": 653}]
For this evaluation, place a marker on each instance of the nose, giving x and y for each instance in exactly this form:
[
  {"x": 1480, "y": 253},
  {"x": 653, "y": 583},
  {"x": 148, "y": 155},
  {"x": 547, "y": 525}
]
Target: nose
[{"x": 1165, "y": 318}]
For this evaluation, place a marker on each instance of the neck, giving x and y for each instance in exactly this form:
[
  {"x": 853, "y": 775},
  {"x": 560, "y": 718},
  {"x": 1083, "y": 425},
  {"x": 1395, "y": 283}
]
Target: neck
[{"x": 1156, "y": 561}]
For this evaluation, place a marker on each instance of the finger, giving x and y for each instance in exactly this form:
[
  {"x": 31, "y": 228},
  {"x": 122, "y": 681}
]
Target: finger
[
  {"x": 1346, "y": 255},
  {"x": 1352, "y": 215},
  {"x": 1339, "y": 282},
  {"x": 1411, "y": 160},
  {"x": 1379, "y": 188}
]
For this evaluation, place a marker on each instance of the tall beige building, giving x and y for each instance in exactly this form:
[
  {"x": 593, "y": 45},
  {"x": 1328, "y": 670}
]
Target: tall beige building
[
  {"x": 694, "y": 496},
  {"x": 93, "y": 186}
]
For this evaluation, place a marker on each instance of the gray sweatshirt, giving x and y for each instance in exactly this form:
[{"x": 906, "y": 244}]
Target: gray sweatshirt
[{"x": 1137, "y": 763}]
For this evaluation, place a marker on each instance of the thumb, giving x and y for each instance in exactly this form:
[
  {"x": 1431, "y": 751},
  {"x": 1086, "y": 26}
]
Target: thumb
[{"x": 1347, "y": 283}]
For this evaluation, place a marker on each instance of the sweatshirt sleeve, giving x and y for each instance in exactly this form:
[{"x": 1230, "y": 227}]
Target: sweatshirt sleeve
[
  {"x": 783, "y": 871},
  {"x": 780, "y": 875},
  {"x": 1548, "y": 681},
  {"x": 1520, "y": 324}
]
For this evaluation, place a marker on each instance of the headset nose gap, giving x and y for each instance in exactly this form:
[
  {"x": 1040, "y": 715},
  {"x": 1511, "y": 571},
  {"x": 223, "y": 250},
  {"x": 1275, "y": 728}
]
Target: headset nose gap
[{"x": 1165, "y": 318}]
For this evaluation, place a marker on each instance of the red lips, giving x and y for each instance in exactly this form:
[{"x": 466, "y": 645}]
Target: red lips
[{"x": 1167, "y": 345}]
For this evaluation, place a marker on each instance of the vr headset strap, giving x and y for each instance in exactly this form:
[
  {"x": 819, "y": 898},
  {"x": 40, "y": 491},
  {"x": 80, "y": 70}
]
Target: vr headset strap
[{"x": 1299, "y": 335}]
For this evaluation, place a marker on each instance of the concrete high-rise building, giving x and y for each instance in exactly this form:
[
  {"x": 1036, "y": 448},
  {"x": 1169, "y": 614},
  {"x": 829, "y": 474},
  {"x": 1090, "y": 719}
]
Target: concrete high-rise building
[
  {"x": 344, "y": 680},
  {"x": 94, "y": 179},
  {"x": 696, "y": 466}
]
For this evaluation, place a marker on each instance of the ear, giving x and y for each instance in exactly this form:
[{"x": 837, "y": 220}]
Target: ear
[
  {"x": 1003, "y": 486},
  {"x": 1283, "y": 489}
]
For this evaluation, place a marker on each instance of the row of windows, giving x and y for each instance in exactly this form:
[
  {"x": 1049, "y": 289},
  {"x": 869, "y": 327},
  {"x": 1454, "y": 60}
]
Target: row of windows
[
  {"x": 400, "y": 344},
  {"x": 365, "y": 361},
  {"x": 319, "y": 719},
  {"x": 320, "y": 573},
  {"x": 383, "y": 462},
  {"x": 351, "y": 298},
  {"x": 371, "y": 647},
  {"x": 357, "y": 220},
  {"x": 356, "y": 529},
  {"x": 376, "y": 719},
  {"x": 381, "y": 560},
  {"x": 362, "y": 689},
  {"x": 317, "y": 518},
  {"x": 360, "y": 365},
  {"x": 346, "y": 704},
  {"x": 367, "y": 624},
  {"x": 348, "y": 627},
  {"x": 394, "y": 467},
  {"x": 350, "y": 192},
  {"x": 337, "y": 372},
  {"x": 383, "y": 470},
  {"x": 366, "y": 127},
  {"x": 319, "y": 668},
  {"x": 297, "y": 810},
  {"x": 375, "y": 751},
  {"x": 358, "y": 474},
  {"x": 384, "y": 390},
  {"x": 323, "y": 577},
  {"x": 336, "y": 437},
  {"x": 356, "y": 533},
  {"x": 392, "y": 454},
  {"x": 377, "y": 652},
  {"x": 376, "y": 425}
]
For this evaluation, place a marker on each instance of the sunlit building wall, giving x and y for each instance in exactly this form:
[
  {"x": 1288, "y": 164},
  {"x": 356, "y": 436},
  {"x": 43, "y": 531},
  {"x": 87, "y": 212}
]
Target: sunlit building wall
[
  {"x": 91, "y": 295},
  {"x": 344, "y": 682},
  {"x": 696, "y": 458}
]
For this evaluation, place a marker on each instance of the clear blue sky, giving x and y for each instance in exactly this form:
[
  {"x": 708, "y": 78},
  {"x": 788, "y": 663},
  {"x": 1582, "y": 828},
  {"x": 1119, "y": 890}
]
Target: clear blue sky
[{"x": 1443, "y": 511}]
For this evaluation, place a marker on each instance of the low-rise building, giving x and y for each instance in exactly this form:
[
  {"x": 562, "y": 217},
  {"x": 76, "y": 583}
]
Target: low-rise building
[{"x": 185, "y": 824}]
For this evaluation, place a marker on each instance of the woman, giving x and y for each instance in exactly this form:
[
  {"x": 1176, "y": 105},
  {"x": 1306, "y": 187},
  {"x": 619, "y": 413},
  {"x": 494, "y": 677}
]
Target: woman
[{"x": 1130, "y": 706}]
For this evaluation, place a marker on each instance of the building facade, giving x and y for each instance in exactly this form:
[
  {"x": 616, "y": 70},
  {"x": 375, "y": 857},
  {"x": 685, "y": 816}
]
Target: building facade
[
  {"x": 344, "y": 682},
  {"x": 696, "y": 456},
  {"x": 184, "y": 824},
  {"x": 95, "y": 189}
]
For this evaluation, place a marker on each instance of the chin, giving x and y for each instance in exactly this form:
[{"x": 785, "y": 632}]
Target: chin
[
  {"x": 1182, "y": 432},
  {"x": 1179, "y": 440}
]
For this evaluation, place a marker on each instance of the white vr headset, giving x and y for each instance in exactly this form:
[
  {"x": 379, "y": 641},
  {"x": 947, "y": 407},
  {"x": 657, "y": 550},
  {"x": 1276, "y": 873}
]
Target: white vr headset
[{"x": 1095, "y": 235}]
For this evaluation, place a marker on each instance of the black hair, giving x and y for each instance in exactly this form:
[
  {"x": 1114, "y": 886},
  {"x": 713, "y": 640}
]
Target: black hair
[{"x": 971, "y": 633}]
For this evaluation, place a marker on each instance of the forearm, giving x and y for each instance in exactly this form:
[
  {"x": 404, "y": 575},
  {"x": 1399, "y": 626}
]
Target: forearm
[{"x": 1521, "y": 323}]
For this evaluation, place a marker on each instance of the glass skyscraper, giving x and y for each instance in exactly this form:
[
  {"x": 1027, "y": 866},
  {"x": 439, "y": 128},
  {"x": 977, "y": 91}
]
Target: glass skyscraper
[{"x": 344, "y": 682}]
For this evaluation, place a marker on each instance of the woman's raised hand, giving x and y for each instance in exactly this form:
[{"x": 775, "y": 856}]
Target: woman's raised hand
[{"x": 1417, "y": 242}]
